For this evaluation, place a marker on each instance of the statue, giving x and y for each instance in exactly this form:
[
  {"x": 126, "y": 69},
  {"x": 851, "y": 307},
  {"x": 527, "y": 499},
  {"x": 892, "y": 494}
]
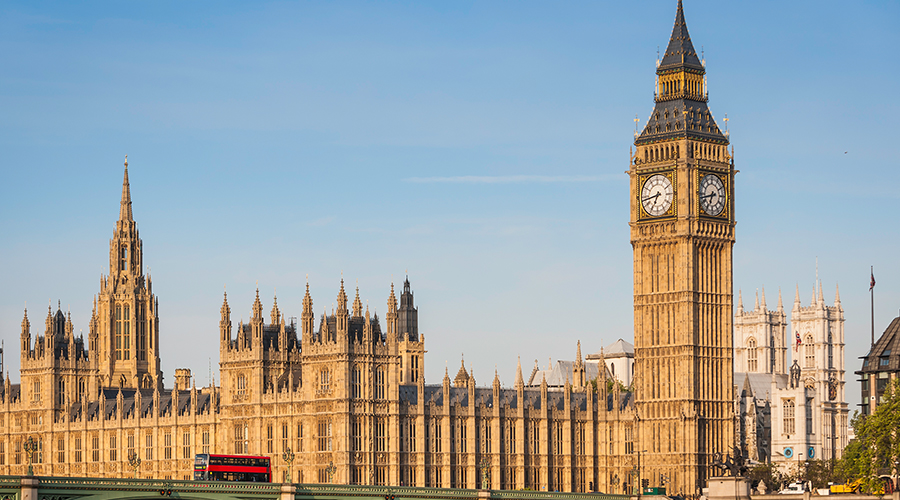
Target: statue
[{"x": 736, "y": 465}]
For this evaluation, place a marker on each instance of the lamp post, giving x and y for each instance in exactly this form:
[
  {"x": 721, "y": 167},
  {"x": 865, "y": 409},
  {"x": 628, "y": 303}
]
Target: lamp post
[
  {"x": 640, "y": 485},
  {"x": 485, "y": 473},
  {"x": 134, "y": 462},
  {"x": 288, "y": 457},
  {"x": 330, "y": 470},
  {"x": 31, "y": 447}
]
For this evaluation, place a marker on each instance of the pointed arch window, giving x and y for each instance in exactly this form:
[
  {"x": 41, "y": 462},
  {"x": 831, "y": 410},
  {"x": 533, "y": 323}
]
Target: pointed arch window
[
  {"x": 810, "y": 351},
  {"x": 123, "y": 257},
  {"x": 379, "y": 383},
  {"x": 119, "y": 327},
  {"x": 356, "y": 382},
  {"x": 126, "y": 332},
  {"x": 789, "y": 422},
  {"x": 751, "y": 355}
]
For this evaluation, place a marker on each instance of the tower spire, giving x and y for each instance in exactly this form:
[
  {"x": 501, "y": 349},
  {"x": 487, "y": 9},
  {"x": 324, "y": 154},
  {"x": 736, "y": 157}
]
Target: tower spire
[{"x": 125, "y": 206}]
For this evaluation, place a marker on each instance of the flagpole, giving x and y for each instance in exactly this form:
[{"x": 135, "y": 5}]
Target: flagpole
[{"x": 872, "y": 301}]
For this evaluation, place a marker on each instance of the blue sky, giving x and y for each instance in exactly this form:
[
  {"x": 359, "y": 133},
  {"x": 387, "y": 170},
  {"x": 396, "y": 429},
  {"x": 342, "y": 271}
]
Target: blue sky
[{"x": 480, "y": 146}]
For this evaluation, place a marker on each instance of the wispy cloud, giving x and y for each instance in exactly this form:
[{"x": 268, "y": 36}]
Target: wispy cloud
[{"x": 510, "y": 179}]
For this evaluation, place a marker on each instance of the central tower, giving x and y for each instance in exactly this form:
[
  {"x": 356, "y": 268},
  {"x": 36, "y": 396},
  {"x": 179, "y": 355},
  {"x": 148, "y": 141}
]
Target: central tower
[{"x": 682, "y": 233}]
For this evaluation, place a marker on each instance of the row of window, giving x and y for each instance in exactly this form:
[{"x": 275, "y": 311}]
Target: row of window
[{"x": 80, "y": 452}]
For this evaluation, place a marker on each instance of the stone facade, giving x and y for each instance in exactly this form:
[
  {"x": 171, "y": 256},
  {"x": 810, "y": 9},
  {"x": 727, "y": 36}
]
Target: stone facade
[
  {"x": 348, "y": 388},
  {"x": 790, "y": 413}
]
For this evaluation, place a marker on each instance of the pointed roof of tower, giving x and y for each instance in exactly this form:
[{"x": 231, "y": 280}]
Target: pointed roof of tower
[
  {"x": 740, "y": 304},
  {"x": 125, "y": 207},
  {"x": 257, "y": 306},
  {"x": 462, "y": 376},
  {"x": 519, "y": 380},
  {"x": 756, "y": 306},
  {"x": 780, "y": 303},
  {"x": 837, "y": 295},
  {"x": 763, "y": 303},
  {"x": 357, "y": 304},
  {"x": 797, "y": 296},
  {"x": 680, "y": 52},
  {"x": 821, "y": 296},
  {"x": 578, "y": 361}
]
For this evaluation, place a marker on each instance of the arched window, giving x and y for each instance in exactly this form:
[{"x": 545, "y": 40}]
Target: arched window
[
  {"x": 356, "y": 383},
  {"x": 118, "y": 332},
  {"x": 751, "y": 355},
  {"x": 241, "y": 385},
  {"x": 123, "y": 257},
  {"x": 789, "y": 416},
  {"x": 810, "y": 350},
  {"x": 324, "y": 380},
  {"x": 126, "y": 332},
  {"x": 379, "y": 383}
]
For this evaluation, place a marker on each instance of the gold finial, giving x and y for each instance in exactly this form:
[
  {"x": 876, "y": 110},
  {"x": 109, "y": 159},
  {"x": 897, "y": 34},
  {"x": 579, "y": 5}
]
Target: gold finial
[{"x": 126, "y": 161}]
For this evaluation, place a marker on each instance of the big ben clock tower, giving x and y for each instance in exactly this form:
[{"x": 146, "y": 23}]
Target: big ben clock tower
[{"x": 682, "y": 232}]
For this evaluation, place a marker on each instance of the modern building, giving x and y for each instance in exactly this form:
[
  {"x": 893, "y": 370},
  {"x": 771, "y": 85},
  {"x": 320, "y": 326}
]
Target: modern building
[
  {"x": 880, "y": 367},
  {"x": 347, "y": 388}
]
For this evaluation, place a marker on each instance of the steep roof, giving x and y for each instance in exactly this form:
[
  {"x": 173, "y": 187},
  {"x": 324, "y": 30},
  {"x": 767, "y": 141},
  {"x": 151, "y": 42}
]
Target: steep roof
[
  {"x": 680, "y": 52},
  {"x": 885, "y": 354}
]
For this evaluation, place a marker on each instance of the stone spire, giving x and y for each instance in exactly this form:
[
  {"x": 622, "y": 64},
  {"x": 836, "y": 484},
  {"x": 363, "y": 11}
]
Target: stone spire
[
  {"x": 257, "y": 307},
  {"x": 756, "y": 306},
  {"x": 837, "y": 296},
  {"x": 763, "y": 304},
  {"x": 821, "y": 298},
  {"x": 357, "y": 304},
  {"x": 519, "y": 381},
  {"x": 740, "y": 305},
  {"x": 797, "y": 297},
  {"x": 125, "y": 207},
  {"x": 307, "y": 318},
  {"x": 275, "y": 313},
  {"x": 780, "y": 304}
]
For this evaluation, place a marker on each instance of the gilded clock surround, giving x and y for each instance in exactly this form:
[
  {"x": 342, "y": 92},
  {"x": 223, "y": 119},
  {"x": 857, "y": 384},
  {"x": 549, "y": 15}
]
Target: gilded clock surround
[{"x": 673, "y": 208}]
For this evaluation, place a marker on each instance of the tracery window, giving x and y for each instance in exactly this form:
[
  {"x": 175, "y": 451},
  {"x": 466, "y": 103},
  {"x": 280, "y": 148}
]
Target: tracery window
[
  {"x": 810, "y": 350},
  {"x": 789, "y": 422},
  {"x": 356, "y": 382},
  {"x": 324, "y": 380},
  {"x": 379, "y": 383},
  {"x": 751, "y": 355},
  {"x": 324, "y": 437}
]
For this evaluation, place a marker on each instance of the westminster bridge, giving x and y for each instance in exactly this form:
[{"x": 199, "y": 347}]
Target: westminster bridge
[{"x": 81, "y": 488}]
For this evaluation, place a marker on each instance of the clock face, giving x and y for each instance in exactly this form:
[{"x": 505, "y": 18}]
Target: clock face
[
  {"x": 657, "y": 195},
  {"x": 712, "y": 194}
]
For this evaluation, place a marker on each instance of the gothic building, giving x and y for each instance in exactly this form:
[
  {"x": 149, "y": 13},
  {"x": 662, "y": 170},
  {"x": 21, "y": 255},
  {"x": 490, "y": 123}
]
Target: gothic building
[
  {"x": 347, "y": 387},
  {"x": 790, "y": 413}
]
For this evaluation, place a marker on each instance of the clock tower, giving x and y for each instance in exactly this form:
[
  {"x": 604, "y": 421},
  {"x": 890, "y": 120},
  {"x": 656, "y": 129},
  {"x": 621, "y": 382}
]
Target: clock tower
[{"x": 682, "y": 233}]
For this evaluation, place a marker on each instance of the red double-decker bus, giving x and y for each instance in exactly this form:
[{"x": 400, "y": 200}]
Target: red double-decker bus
[{"x": 232, "y": 468}]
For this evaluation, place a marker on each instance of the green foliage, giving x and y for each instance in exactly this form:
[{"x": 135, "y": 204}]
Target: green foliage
[
  {"x": 611, "y": 384},
  {"x": 879, "y": 442},
  {"x": 767, "y": 473},
  {"x": 818, "y": 473}
]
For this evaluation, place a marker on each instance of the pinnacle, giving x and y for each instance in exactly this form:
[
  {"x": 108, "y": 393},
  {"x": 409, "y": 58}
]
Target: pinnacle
[
  {"x": 680, "y": 51},
  {"x": 125, "y": 206}
]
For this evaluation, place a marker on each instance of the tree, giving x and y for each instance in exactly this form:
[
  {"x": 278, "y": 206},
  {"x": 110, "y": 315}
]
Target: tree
[
  {"x": 767, "y": 473},
  {"x": 879, "y": 439}
]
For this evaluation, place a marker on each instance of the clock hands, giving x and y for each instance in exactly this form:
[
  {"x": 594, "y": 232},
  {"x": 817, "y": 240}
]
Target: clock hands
[
  {"x": 709, "y": 196},
  {"x": 651, "y": 197}
]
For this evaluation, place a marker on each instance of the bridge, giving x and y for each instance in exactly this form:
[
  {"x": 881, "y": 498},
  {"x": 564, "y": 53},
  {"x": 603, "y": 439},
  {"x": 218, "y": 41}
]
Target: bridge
[{"x": 83, "y": 488}]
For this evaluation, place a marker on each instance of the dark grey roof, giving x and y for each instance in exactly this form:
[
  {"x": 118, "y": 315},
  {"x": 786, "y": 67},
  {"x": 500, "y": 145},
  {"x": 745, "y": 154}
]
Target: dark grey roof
[
  {"x": 680, "y": 52},
  {"x": 885, "y": 354}
]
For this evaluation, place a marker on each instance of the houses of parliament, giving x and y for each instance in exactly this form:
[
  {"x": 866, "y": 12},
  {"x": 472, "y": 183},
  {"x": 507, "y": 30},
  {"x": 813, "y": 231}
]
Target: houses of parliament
[{"x": 347, "y": 387}]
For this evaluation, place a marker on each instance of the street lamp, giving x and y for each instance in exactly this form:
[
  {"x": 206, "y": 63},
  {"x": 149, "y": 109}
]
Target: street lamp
[
  {"x": 134, "y": 462},
  {"x": 31, "y": 447},
  {"x": 288, "y": 457},
  {"x": 330, "y": 470},
  {"x": 485, "y": 473},
  {"x": 640, "y": 485}
]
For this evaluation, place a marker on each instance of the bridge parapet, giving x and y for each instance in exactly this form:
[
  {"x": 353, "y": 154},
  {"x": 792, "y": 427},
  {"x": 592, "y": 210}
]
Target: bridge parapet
[{"x": 84, "y": 488}]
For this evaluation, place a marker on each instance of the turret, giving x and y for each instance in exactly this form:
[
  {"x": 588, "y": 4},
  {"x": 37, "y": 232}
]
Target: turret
[
  {"x": 408, "y": 314},
  {"x": 26, "y": 335},
  {"x": 307, "y": 318},
  {"x": 225, "y": 323},
  {"x": 342, "y": 313}
]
